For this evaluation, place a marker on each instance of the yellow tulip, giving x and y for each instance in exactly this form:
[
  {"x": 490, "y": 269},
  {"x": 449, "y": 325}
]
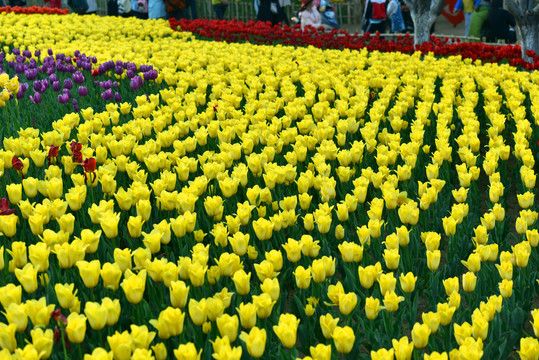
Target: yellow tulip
[
  {"x": 228, "y": 326},
  {"x": 420, "y": 335},
  {"x": 134, "y": 285},
  {"x": 169, "y": 323},
  {"x": 121, "y": 345},
  {"x": 187, "y": 352},
  {"x": 76, "y": 328},
  {"x": 344, "y": 339},
  {"x": 27, "y": 276}
]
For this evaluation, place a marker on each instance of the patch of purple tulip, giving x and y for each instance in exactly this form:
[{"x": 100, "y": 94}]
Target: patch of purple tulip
[{"x": 47, "y": 74}]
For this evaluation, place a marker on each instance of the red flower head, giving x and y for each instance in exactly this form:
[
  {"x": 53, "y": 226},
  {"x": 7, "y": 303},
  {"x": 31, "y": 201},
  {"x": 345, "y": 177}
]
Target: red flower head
[
  {"x": 57, "y": 315},
  {"x": 57, "y": 335},
  {"x": 53, "y": 151},
  {"x": 75, "y": 146},
  {"x": 215, "y": 107},
  {"x": 4, "y": 207},
  {"x": 77, "y": 157},
  {"x": 17, "y": 163},
  {"x": 89, "y": 168},
  {"x": 95, "y": 72},
  {"x": 53, "y": 154},
  {"x": 89, "y": 165}
]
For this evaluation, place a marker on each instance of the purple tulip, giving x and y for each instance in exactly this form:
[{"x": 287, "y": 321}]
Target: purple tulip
[
  {"x": 30, "y": 74},
  {"x": 49, "y": 51},
  {"x": 53, "y": 77},
  {"x": 38, "y": 86},
  {"x": 19, "y": 68},
  {"x": 115, "y": 84},
  {"x": 150, "y": 75},
  {"x": 106, "y": 84},
  {"x": 118, "y": 70},
  {"x": 77, "y": 53},
  {"x": 94, "y": 60},
  {"x": 76, "y": 108},
  {"x": 74, "y": 101},
  {"x": 56, "y": 86},
  {"x": 68, "y": 84},
  {"x": 67, "y": 92},
  {"x": 36, "y": 99},
  {"x": 22, "y": 89},
  {"x": 107, "y": 95},
  {"x": 130, "y": 74},
  {"x": 83, "y": 91},
  {"x": 37, "y": 53},
  {"x": 16, "y": 51},
  {"x": 63, "y": 99},
  {"x": 27, "y": 54},
  {"x": 117, "y": 97},
  {"x": 78, "y": 78},
  {"x": 135, "y": 83}
]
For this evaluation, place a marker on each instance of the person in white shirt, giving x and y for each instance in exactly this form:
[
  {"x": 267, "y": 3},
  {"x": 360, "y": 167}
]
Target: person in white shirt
[
  {"x": 309, "y": 15},
  {"x": 92, "y": 7}
]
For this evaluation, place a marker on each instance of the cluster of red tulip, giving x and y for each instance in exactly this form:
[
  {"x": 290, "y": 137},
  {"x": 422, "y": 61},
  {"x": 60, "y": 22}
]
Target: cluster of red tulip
[
  {"x": 32, "y": 10},
  {"x": 265, "y": 33}
]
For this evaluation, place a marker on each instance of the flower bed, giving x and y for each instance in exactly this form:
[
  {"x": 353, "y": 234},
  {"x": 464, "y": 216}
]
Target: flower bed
[
  {"x": 264, "y": 33},
  {"x": 261, "y": 201},
  {"x": 33, "y": 10}
]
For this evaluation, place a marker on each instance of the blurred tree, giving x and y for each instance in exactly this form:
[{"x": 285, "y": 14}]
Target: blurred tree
[
  {"x": 424, "y": 13},
  {"x": 526, "y": 13}
]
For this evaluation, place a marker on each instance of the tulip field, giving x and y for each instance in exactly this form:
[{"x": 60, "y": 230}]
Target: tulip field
[{"x": 168, "y": 197}]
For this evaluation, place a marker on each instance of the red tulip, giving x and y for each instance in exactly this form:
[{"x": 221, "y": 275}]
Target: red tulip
[
  {"x": 89, "y": 165},
  {"x": 4, "y": 207},
  {"x": 17, "y": 163}
]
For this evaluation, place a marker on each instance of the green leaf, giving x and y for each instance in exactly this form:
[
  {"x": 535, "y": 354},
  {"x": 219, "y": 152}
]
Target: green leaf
[{"x": 518, "y": 316}]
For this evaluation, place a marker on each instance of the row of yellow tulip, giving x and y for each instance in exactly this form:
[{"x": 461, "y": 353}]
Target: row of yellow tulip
[{"x": 270, "y": 155}]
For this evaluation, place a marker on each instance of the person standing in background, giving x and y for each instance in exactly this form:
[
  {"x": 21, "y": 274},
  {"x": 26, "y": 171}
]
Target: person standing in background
[
  {"x": 92, "y": 7},
  {"x": 467, "y": 7},
  {"x": 284, "y": 4},
  {"x": 53, "y": 4},
  {"x": 125, "y": 7},
  {"x": 374, "y": 17},
  {"x": 192, "y": 7},
  {"x": 156, "y": 9},
  {"x": 479, "y": 16},
  {"x": 219, "y": 6},
  {"x": 394, "y": 15},
  {"x": 501, "y": 23},
  {"x": 176, "y": 9},
  {"x": 270, "y": 11}
]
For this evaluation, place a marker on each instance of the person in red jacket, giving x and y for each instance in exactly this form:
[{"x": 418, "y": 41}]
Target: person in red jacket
[
  {"x": 374, "y": 17},
  {"x": 54, "y": 4}
]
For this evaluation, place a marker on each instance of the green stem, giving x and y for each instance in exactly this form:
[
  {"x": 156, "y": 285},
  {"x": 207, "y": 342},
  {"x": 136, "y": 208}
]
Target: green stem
[{"x": 64, "y": 341}]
